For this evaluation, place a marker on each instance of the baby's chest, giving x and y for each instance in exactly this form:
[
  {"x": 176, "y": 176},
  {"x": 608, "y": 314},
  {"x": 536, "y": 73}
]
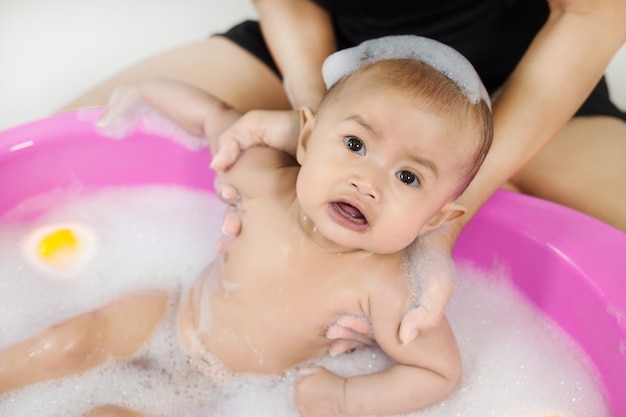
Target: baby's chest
[
  {"x": 274, "y": 265},
  {"x": 290, "y": 284},
  {"x": 283, "y": 277}
]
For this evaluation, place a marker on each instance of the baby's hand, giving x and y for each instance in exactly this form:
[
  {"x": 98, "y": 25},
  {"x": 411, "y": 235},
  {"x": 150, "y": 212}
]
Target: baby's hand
[
  {"x": 119, "y": 119},
  {"x": 349, "y": 332},
  {"x": 319, "y": 393}
]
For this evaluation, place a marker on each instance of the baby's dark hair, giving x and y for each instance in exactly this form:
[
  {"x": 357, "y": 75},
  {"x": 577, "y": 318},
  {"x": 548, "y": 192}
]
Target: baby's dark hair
[{"x": 439, "y": 94}]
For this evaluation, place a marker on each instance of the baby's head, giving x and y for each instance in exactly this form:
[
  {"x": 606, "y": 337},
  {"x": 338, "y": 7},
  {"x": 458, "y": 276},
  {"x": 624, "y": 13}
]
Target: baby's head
[{"x": 393, "y": 144}]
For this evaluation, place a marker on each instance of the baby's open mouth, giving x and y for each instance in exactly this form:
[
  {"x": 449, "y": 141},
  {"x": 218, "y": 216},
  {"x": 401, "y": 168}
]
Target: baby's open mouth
[{"x": 349, "y": 214}]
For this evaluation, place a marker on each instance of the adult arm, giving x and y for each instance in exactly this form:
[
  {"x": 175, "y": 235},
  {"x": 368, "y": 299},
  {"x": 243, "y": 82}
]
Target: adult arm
[
  {"x": 299, "y": 36},
  {"x": 560, "y": 68}
]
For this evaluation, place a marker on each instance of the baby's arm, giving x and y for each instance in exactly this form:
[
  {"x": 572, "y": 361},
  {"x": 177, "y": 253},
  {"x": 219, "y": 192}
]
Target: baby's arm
[
  {"x": 402, "y": 388},
  {"x": 115, "y": 330},
  {"x": 426, "y": 371},
  {"x": 189, "y": 107}
]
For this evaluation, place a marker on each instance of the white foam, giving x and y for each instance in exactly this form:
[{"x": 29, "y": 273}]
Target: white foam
[
  {"x": 516, "y": 363},
  {"x": 439, "y": 56},
  {"x": 123, "y": 233}
]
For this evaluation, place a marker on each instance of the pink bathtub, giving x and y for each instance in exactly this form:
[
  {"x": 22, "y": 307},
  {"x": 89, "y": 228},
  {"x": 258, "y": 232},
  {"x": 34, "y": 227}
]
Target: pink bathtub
[{"x": 571, "y": 266}]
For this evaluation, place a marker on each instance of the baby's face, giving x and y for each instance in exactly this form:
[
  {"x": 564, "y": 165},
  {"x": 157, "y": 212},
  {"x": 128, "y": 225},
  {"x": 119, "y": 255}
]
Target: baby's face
[{"x": 377, "y": 169}]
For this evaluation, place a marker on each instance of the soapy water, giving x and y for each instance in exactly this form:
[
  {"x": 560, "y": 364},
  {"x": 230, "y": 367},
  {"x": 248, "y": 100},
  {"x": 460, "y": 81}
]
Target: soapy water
[
  {"x": 433, "y": 53},
  {"x": 516, "y": 361}
]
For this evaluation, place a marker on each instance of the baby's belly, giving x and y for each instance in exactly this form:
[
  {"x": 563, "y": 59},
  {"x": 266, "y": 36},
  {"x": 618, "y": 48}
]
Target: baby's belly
[
  {"x": 254, "y": 326},
  {"x": 247, "y": 338}
]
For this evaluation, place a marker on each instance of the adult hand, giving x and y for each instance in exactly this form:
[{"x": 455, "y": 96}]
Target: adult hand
[
  {"x": 231, "y": 224},
  {"x": 432, "y": 274},
  {"x": 276, "y": 128}
]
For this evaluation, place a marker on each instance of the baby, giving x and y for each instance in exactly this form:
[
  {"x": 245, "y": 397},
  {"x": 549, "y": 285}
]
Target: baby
[{"x": 324, "y": 230}]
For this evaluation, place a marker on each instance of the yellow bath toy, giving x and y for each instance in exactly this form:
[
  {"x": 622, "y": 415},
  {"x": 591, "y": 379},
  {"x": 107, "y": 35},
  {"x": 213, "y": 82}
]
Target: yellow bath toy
[
  {"x": 57, "y": 247},
  {"x": 62, "y": 250}
]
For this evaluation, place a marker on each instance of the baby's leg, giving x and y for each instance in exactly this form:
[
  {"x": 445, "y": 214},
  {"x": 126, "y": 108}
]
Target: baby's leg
[
  {"x": 115, "y": 330},
  {"x": 113, "y": 411}
]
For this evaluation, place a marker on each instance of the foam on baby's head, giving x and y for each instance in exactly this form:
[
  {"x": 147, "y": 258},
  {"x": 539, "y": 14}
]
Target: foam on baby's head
[
  {"x": 442, "y": 58},
  {"x": 444, "y": 81}
]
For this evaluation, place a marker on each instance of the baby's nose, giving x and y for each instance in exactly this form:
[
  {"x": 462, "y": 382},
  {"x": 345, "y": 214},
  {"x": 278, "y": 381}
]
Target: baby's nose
[{"x": 365, "y": 186}]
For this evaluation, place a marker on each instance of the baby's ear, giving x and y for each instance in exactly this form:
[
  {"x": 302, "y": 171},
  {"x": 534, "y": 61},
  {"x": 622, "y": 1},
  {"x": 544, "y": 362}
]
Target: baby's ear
[
  {"x": 307, "y": 121},
  {"x": 451, "y": 211}
]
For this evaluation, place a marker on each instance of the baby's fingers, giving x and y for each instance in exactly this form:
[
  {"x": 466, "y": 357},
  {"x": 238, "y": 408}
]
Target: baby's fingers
[
  {"x": 350, "y": 326},
  {"x": 119, "y": 118},
  {"x": 341, "y": 346},
  {"x": 349, "y": 332}
]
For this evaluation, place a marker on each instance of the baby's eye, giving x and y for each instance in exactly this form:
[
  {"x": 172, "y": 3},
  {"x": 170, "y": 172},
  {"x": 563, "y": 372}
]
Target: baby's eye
[
  {"x": 354, "y": 144},
  {"x": 408, "y": 178}
]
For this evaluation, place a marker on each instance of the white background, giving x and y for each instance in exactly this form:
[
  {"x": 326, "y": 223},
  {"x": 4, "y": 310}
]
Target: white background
[{"x": 53, "y": 50}]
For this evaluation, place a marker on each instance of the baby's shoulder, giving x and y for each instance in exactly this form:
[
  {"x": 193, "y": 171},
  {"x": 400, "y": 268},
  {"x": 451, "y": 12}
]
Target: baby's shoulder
[
  {"x": 261, "y": 171},
  {"x": 387, "y": 280}
]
